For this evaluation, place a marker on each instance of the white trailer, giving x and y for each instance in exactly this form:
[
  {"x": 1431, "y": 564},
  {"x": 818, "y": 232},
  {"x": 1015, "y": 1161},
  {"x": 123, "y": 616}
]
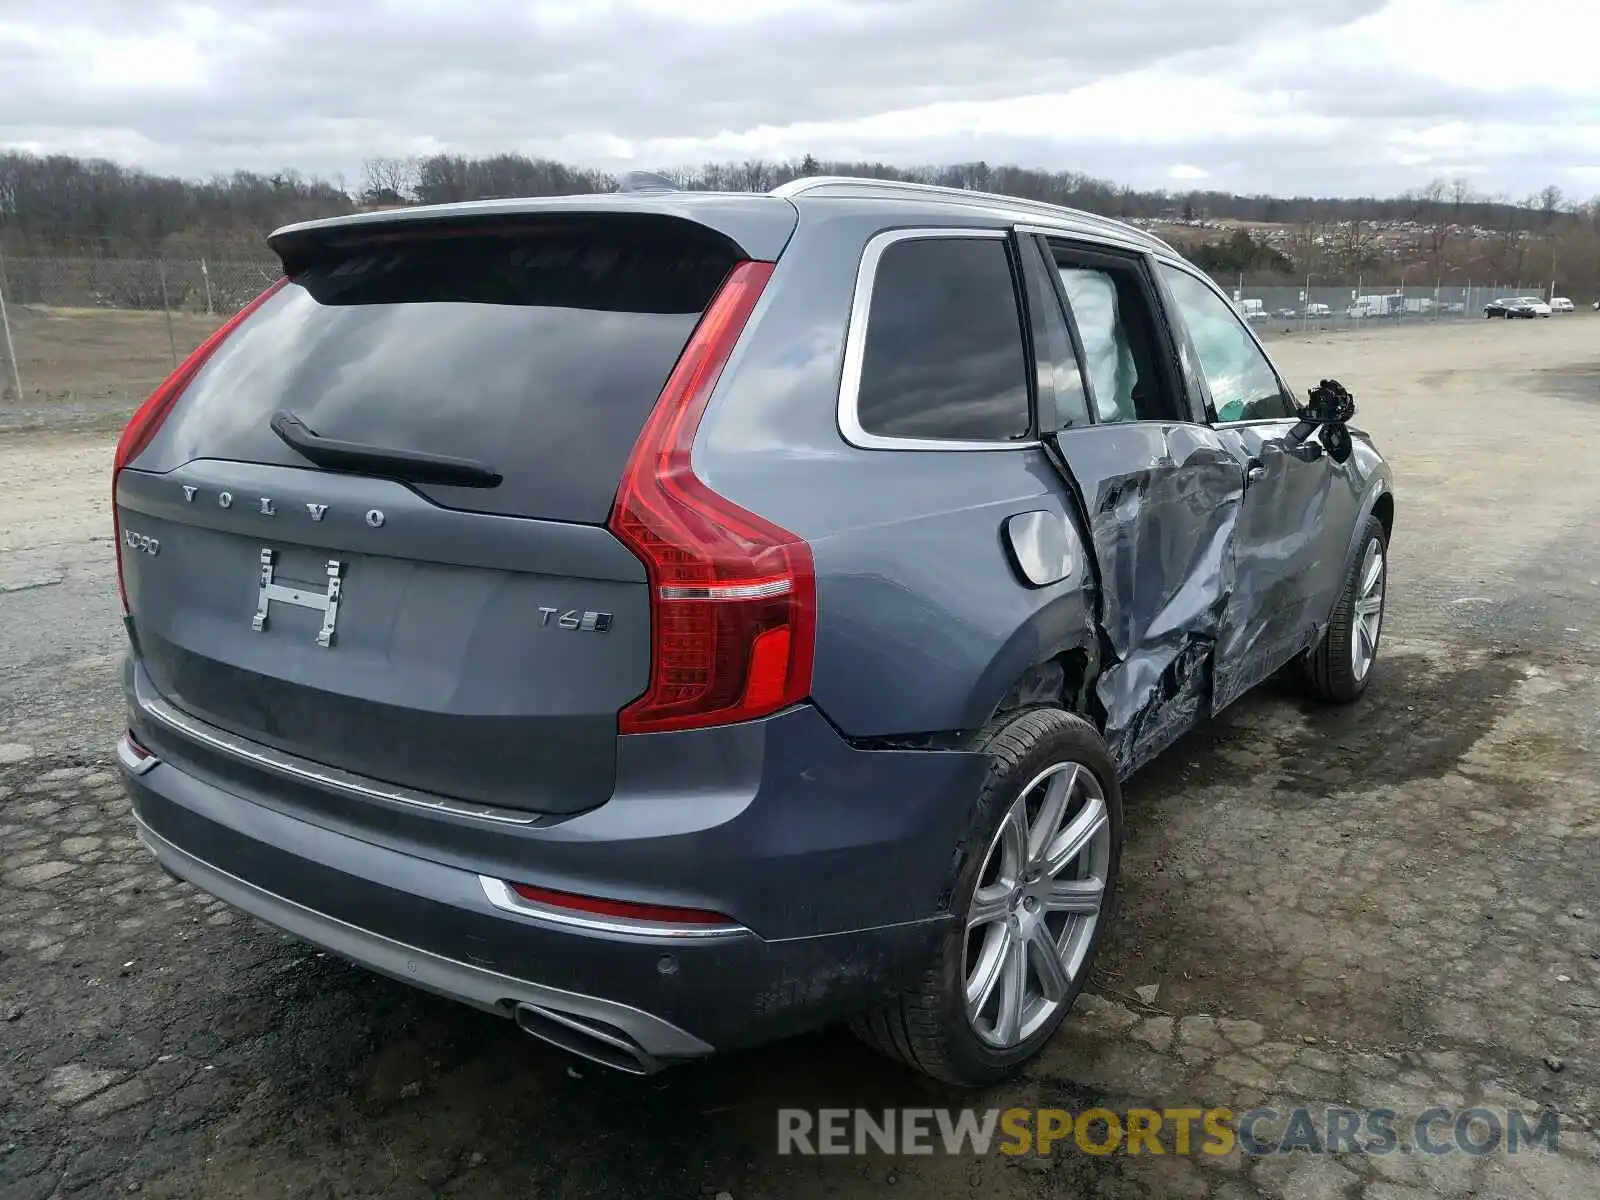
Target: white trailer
[{"x": 1387, "y": 305}]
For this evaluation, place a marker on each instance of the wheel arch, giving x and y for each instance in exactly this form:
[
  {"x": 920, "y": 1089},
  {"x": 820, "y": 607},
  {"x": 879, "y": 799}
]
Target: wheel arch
[
  {"x": 1052, "y": 659},
  {"x": 1063, "y": 680},
  {"x": 1383, "y": 509},
  {"x": 1379, "y": 503}
]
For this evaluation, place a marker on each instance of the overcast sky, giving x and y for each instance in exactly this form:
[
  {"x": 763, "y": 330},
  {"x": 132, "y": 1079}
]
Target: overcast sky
[{"x": 1334, "y": 97}]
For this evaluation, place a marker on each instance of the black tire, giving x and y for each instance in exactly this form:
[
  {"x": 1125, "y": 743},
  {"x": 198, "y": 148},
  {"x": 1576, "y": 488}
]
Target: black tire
[
  {"x": 926, "y": 1028},
  {"x": 1328, "y": 672}
]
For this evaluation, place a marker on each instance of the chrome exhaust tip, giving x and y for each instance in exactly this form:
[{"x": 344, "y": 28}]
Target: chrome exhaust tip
[{"x": 587, "y": 1038}]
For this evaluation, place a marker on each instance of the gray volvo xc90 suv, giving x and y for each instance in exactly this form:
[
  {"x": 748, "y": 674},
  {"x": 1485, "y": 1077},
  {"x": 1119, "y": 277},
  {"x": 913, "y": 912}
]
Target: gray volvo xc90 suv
[{"x": 676, "y": 621}]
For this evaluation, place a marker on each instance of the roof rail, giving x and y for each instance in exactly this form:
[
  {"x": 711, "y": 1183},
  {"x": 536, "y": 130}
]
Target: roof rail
[{"x": 846, "y": 183}]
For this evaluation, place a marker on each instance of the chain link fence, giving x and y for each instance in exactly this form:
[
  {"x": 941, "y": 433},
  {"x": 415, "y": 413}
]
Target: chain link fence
[
  {"x": 1334, "y": 306},
  {"x": 139, "y": 284},
  {"x": 86, "y": 339}
]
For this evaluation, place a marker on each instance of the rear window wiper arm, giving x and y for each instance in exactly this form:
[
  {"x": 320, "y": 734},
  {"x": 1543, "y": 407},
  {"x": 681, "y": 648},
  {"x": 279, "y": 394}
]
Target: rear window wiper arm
[{"x": 407, "y": 466}]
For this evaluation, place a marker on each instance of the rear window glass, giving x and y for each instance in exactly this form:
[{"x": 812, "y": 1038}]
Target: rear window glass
[
  {"x": 537, "y": 354},
  {"x": 944, "y": 354}
]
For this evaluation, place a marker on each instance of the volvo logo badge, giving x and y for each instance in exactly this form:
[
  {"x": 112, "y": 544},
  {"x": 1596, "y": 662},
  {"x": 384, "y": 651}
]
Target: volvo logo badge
[{"x": 267, "y": 506}]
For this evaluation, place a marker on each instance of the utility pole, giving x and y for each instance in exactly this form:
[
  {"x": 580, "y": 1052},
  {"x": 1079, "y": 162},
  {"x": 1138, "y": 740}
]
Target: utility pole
[
  {"x": 5, "y": 322},
  {"x": 166, "y": 306}
]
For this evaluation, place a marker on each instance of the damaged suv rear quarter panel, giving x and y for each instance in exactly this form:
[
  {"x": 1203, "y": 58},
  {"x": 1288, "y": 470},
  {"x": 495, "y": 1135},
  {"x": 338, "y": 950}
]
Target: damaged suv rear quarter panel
[
  {"x": 924, "y": 625},
  {"x": 925, "y": 628}
]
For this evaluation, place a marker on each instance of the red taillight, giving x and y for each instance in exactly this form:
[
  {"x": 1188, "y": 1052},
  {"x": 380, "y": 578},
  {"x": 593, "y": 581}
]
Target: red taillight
[
  {"x": 146, "y": 420},
  {"x": 662, "y": 913},
  {"x": 732, "y": 596}
]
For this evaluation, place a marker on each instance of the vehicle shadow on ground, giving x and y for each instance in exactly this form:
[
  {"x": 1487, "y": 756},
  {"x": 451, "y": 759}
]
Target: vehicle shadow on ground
[
  {"x": 310, "y": 1077},
  {"x": 367, "y": 1086},
  {"x": 331, "y": 1074}
]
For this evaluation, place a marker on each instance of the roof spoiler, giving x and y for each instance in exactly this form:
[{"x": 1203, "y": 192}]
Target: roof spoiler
[{"x": 758, "y": 227}]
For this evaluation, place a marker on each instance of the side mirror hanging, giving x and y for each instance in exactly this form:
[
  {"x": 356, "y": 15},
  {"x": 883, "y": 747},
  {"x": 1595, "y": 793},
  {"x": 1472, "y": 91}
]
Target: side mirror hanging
[
  {"x": 1329, "y": 406},
  {"x": 1330, "y": 403}
]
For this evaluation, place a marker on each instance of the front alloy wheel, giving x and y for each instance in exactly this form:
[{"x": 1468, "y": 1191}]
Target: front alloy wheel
[
  {"x": 1368, "y": 609},
  {"x": 1341, "y": 666}
]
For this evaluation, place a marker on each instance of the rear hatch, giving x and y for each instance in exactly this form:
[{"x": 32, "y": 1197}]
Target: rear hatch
[{"x": 371, "y": 531}]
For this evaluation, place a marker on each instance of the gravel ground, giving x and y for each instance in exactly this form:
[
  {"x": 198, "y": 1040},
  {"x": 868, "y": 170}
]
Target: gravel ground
[{"x": 1391, "y": 905}]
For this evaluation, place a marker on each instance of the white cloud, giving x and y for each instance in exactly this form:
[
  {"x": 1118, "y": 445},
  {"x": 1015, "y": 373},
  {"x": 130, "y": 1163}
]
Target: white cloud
[{"x": 1345, "y": 96}]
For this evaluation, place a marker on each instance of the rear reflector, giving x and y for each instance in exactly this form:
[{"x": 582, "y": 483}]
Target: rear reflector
[
  {"x": 134, "y": 757},
  {"x": 146, "y": 420},
  {"x": 664, "y": 914},
  {"x": 732, "y": 596}
]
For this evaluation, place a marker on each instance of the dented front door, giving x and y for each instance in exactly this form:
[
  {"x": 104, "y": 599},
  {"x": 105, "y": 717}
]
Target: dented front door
[
  {"x": 1294, "y": 522},
  {"x": 1160, "y": 493},
  {"x": 1288, "y": 552}
]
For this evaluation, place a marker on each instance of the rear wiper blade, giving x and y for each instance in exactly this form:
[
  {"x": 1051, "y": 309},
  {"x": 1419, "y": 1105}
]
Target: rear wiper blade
[{"x": 407, "y": 466}]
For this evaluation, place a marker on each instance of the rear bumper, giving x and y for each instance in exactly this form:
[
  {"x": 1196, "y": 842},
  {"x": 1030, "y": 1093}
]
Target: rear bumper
[
  {"x": 655, "y": 1039},
  {"x": 426, "y": 912}
]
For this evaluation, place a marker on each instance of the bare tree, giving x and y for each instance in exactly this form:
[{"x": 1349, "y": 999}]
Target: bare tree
[
  {"x": 389, "y": 181},
  {"x": 1550, "y": 203},
  {"x": 1354, "y": 245},
  {"x": 58, "y": 205},
  {"x": 1434, "y": 224},
  {"x": 1313, "y": 247}
]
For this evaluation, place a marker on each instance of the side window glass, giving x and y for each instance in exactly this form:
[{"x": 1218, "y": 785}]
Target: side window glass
[
  {"x": 1072, "y": 401},
  {"x": 1060, "y": 374},
  {"x": 1107, "y": 350},
  {"x": 944, "y": 355},
  {"x": 1242, "y": 382}
]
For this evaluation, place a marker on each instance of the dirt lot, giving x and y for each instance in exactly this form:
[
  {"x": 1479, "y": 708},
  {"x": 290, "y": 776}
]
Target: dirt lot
[
  {"x": 82, "y": 368},
  {"x": 1391, "y": 905}
]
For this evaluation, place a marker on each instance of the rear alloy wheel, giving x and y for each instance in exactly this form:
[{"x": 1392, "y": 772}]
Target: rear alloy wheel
[
  {"x": 1035, "y": 885},
  {"x": 1037, "y": 906},
  {"x": 1340, "y": 668}
]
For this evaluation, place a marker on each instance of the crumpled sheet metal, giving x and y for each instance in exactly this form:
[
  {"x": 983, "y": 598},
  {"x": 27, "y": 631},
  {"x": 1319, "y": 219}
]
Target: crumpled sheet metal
[
  {"x": 1164, "y": 539},
  {"x": 1286, "y": 498}
]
